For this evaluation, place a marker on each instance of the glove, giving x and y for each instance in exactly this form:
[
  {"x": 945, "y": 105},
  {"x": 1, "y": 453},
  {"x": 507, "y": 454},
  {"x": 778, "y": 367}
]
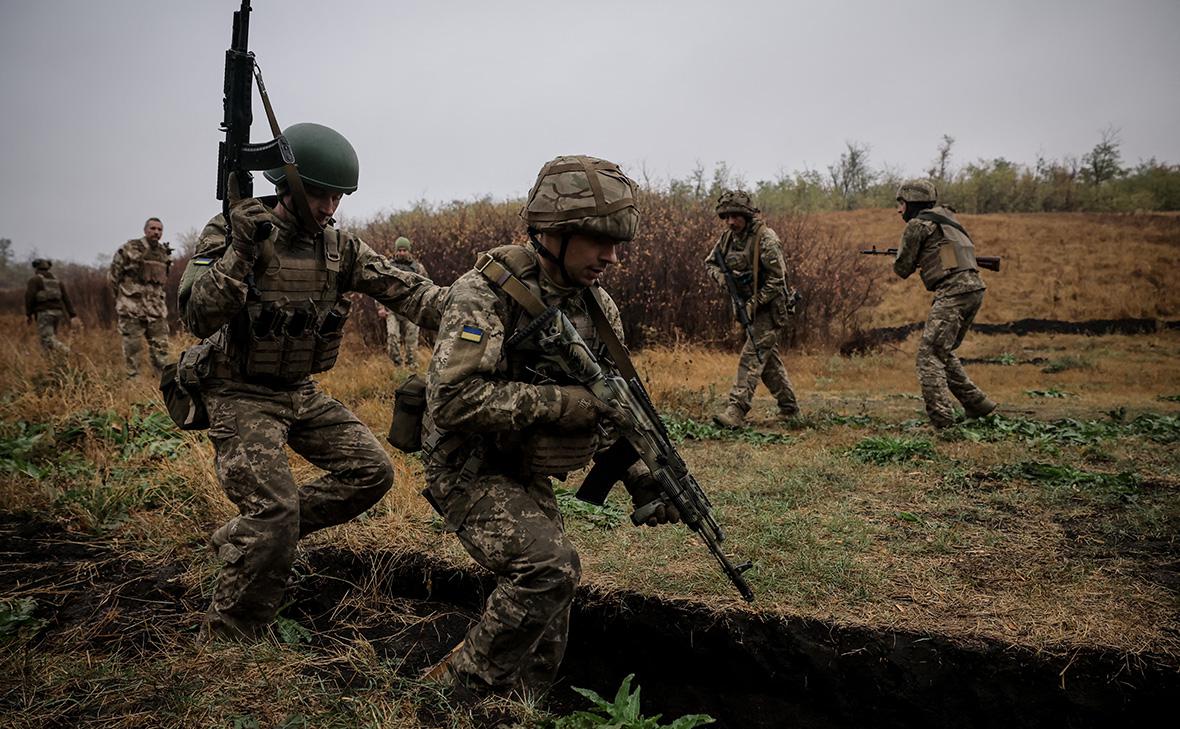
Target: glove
[
  {"x": 579, "y": 409},
  {"x": 644, "y": 491},
  {"x": 751, "y": 306},
  {"x": 249, "y": 220}
]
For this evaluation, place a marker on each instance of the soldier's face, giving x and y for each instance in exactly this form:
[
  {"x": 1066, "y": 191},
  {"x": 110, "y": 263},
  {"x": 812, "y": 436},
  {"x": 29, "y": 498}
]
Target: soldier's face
[
  {"x": 735, "y": 221},
  {"x": 401, "y": 254},
  {"x": 323, "y": 203},
  {"x": 586, "y": 258},
  {"x": 901, "y": 207},
  {"x": 153, "y": 230}
]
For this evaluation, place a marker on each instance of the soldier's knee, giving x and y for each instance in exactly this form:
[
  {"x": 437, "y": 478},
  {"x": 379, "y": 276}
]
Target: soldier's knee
[
  {"x": 557, "y": 572},
  {"x": 375, "y": 476}
]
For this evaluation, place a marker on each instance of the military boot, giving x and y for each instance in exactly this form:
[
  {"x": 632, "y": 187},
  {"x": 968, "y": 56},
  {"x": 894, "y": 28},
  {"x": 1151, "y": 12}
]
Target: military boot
[
  {"x": 788, "y": 413},
  {"x": 730, "y": 417},
  {"x": 980, "y": 410}
]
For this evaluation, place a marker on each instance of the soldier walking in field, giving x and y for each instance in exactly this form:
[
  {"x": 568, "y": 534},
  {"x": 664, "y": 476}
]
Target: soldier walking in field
[
  {"x": 749, "y": 251},
  {"x": 496, "y": 432},
  {"x": 937, "y": 245},
  {"x": 401, "y": 333},
  {"x": 47, "y": 301},
  {"x": 272, "y": 313},
  {"x": 138, "y": 274}
]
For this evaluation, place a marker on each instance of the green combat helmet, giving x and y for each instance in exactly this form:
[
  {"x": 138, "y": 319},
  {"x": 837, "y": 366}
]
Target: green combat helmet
[
  {"x": 42, "y": 264},
  {"x": 917, "y": 191},
  {"x": 580, "y": 194},
  {"x": 401, "y": 244},
  {"x": 735, "y": 201},
  {"x": 324, "y": 157}
]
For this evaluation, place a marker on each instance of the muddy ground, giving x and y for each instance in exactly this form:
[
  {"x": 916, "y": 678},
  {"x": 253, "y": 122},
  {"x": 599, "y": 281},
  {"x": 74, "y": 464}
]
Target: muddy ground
[{"x": 746, "y": 669}]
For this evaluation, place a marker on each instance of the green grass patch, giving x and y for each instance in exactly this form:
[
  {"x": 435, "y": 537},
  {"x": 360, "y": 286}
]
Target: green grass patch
[
  {"x": 608, "y": 516},
  {"x": 681, "y": 429},
  {"x": 883, "y": 449},
  {"x": 1169, "y": 398},
  {"x": 1067, "y": 362},
  {"x": 1066, "y": 480},
  {"x": 1006, "y": 359},
  {"x": 1052, "y": 392},
  {"x": 1153, "y": 426},
  {"x": 621, "y": 713}
]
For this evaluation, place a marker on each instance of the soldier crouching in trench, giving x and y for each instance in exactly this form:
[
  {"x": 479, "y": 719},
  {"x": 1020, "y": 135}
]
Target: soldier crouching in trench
[
  {"x": 273, "y": 313},
  {"x": 495, "y": 432}
]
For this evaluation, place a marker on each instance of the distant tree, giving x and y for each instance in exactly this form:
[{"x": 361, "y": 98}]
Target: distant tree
[
  {"x": 1104, "y": 162},
  {"x": 851, "y": 174},
  {"x": 941, "y": 167}
]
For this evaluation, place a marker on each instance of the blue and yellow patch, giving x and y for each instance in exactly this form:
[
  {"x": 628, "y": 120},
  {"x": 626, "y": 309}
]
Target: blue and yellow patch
[
  {"x": 202, "y": 261},
  {"x": 471, "y": 334}
]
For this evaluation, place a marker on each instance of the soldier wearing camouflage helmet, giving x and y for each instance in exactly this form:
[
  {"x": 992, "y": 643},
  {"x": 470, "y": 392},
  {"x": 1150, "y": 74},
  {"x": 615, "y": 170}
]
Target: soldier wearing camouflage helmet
[
  {"x": 138, "y": 274},
  {"x": 753, "y": 254},
  {"x": 47, "y": 301},
  {"x": 401, "y": 334},
  {"x": 937, "y": 245},
  {"x": 272, "y": 312},
  {"x": 496, "y": 434}
]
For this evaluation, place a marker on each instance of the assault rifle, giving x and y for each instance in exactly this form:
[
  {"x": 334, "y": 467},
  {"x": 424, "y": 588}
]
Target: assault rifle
[
  {"x": 991, "y": 263},
  {"x": 739, "y": 302},
  {"x": 644, "y": 434}
]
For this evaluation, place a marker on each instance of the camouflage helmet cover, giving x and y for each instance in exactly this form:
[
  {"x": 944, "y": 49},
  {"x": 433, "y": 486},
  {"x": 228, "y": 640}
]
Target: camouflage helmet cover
[
  {"x": 401, "y": 244},
  {"x": 42, "y": 264},
  {"x": 735, "y": 201},
  {"x": 917, "y": 191},
  {"x": 324, "y": 158},
  {"x": 583, "y": 194}
]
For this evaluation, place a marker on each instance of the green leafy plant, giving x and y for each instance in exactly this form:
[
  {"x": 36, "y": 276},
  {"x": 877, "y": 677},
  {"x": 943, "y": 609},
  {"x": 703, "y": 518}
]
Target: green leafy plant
[
  {"x": 18, "y": 616},
  {"x": 1005, "y": 358},
  {"x": 1068, "y": 362},
  {"x": 1051, "y": 392},
  {"x": 1169, "y": 398},
  {"x": 884, "y": 449},
  {"x": 291, "y": 631},
  {"x": 1103, "y": 487},
  {"x": 607, "y": 516},
  {"x": 622, "y": 713},
  {"x": 682, "y": 429}
]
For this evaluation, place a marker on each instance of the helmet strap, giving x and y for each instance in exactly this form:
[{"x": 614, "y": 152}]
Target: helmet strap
[
  {"x": 913, "y": 208},
  {"x": 559, "y": 259}
]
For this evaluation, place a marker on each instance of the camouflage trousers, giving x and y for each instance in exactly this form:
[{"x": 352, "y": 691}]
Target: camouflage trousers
[
  {"x": 47, "y": 323},
  {"x": 135, "y": 330},
  {"x": 771, "y": 370},
  {"x": 514, "y": 529},
  {"x": 248, "y": 426},
  {"x": 940, "y": 373},
  {"x": 401, "y": 333}
]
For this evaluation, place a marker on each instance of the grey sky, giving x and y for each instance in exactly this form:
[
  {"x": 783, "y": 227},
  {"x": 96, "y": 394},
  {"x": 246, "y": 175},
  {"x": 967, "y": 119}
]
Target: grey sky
[{"x": 111, "y": 108}]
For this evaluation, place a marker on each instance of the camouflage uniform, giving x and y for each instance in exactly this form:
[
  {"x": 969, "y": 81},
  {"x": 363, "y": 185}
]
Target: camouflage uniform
[
  {"x": 493, "y": 432},
  {"x": 253, "y": 416},
  {"x": 46, "y": 300},
  {"x": 958, "y": 294},
  {"x": 400, "y": 332},
  {"x": 771, "y": 315},
  {"x": 138, "y": 274}
]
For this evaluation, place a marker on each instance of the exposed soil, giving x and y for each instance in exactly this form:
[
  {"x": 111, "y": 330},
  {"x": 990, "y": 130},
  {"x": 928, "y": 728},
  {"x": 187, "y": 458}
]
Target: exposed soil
[
  {"x": 748, "y": 670},
  {"x": 871, "y": 339}
]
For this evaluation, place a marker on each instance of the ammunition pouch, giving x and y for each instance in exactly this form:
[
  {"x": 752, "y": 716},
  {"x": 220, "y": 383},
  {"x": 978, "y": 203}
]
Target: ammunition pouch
[
  {"x": 551, "y": 453},
  {"x": 289, "y": 344},
  {"x": 49, "y": 293},
  {"x": 153, "y": 272},
  {"x": 180, "y": 386},
  {"x": 409, "y": 406}
]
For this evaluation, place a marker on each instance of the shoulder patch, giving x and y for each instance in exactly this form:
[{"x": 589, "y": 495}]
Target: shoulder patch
[
  {"x": 471, "y": 334},
  {"x": 202, "y": 260}
]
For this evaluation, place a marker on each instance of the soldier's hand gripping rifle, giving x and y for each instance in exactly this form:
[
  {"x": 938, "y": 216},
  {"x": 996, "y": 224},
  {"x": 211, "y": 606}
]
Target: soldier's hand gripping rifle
[
  {"x": 739, "y": 302},
  {"x": 565, "y": 351},
  {"x": 991, "y": 263}
]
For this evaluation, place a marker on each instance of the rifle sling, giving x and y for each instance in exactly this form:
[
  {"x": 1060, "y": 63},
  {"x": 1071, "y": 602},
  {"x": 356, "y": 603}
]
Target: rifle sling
[{"x": 942, "y": 220}]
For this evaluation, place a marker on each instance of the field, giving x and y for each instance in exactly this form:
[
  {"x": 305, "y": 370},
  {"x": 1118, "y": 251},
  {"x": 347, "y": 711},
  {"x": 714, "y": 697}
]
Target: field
[{"x": 903, "y": 576}]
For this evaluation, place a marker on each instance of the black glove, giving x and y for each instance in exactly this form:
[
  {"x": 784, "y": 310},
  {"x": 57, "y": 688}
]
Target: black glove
[
  {"x": 579, "y": 409},
  {"x": 644, "y": 492},
  {"x": 249, "y": 221}
]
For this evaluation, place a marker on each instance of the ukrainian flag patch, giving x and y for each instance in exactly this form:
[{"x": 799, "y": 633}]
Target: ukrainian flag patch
[
  {"x": 471, "y": 334},
  {"x": 202, "y": 261}
]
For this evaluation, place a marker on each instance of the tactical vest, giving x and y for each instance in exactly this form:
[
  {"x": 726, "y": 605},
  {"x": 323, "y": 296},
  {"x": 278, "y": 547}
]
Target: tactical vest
[
  {"x": 50, "y": 292},
  {"x": 293, "y": 321},
  {"x": 405, "y": 265},
  {"x": 949, "y": 251},
  {"x": 153, "y": 266}
]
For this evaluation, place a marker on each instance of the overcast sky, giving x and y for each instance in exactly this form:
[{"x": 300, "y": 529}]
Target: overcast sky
[{"x": 111, "y": 109}]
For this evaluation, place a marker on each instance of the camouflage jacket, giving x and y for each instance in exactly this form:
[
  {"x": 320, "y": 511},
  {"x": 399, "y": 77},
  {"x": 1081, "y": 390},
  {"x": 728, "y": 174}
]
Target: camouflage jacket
[
  {"x": 213, "y": 288},
  {"x": 738, "y": 252},
  {"x": 138, "y": 274},
  {"x": 413, "y": 265},
  {"x": 45, "y": 293},
  {"x": 921, "y": 239},
  {"x": 473, "y": 384}
]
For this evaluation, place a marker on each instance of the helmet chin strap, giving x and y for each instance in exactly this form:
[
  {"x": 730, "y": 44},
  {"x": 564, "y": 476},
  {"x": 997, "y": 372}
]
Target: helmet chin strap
[{"x": 559, "y": 259}]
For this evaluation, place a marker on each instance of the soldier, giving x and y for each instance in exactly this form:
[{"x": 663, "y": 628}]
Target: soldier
[
  {"x": 935, "y": 243},
  {"x": 138, "y": 274},
  {"x": 754, "y": 257},
  {"x": 401, "y": 333},
  {"x": 46, "y": 300},
  {"x": 272, "y": 313},
  {"x": 495, "y": 433}
]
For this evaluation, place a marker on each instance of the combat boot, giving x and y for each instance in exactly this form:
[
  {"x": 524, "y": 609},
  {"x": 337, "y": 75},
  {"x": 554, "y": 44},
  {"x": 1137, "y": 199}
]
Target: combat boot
[
  {"x": 788, "y": 413},
  {"x": 981, "y": 410},
  {"x": 730, "y": 417}
]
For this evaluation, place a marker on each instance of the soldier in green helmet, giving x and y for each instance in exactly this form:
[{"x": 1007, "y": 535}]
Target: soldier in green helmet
[
  {"x": 496, "y": 433},
  {"x": 402, "y": 333},
  {"x": 937, "y": 245},
  {"x": 751, "y": 252},
  {"x": 138, "y": 274},
  {"x": 272, "y": 314},
  {"x": 47, "y": 301}
]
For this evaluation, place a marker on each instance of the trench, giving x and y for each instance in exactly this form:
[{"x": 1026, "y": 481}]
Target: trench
[
  {"x": 870, "y": 339},
  {"x": 745, "y": 669}
]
